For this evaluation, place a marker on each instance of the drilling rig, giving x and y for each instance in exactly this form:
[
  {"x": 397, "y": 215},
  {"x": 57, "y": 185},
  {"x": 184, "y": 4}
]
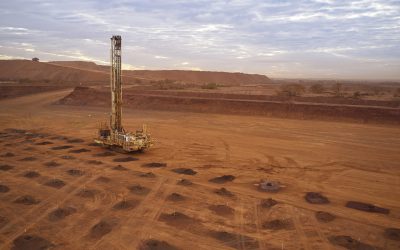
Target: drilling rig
[{"x": 114, "y": 135}]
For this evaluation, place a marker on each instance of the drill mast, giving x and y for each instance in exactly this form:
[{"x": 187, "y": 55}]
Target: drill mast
[{"x": 116, "y": 88}]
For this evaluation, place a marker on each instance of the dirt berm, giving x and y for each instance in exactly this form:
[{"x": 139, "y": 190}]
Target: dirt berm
[{"x": 297, "y": 110}]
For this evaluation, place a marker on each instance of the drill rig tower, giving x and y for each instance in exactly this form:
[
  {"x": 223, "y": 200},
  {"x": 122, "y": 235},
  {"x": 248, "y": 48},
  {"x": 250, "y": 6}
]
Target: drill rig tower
[{"x": 114, "y": 135}]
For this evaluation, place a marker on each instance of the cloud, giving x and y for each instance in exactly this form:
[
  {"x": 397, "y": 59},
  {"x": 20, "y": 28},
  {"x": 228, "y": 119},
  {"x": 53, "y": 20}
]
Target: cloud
[{"x": 280, "y": 38}]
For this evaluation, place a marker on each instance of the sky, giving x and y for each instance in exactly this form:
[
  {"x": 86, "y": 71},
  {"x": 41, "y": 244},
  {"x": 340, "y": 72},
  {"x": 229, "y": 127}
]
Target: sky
[{"x": 324, "y": 39}]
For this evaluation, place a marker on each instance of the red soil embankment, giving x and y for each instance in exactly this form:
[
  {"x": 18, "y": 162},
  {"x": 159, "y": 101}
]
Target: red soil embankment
[
  {"x": 332, "y": 112},
  {"x": 15, "y": 91}
]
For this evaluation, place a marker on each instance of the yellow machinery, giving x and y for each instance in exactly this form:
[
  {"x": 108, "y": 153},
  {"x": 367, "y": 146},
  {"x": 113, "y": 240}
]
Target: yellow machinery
[{"x": 114, "y": 135}]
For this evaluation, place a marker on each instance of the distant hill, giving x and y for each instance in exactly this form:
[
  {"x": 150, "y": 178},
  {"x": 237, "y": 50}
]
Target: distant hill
[{"x": 79, "y": 72}]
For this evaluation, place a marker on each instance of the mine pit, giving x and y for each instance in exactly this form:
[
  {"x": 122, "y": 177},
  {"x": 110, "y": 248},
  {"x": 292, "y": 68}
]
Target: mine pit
[
  {"x": 52, "y": 164},
  {"x": 7, "y": 155},
  {"x": 234, "y": 240},
  {"x": 78, "y": 151},
  {"x": 154, "y": 165},
  {"x": 367, "y": 207},
  {"x": 61, "y": 147},
  {"x": 87, "y": 193},
  {"x": 176, "y": 197},
  {"x": 392, "y": 234},
  {"x": 349, "y": 243},
  {"x": 316, "y": 198},
  {"x": 4, "y": 188},
  {"x": 139, "y": 190},
  {"x": 324, "y": 216},
  {"x": 184, "y": 182},
  {"x": 278, "y": 224},
  {"x": 75, "y": 172},
  {"x": 222, "y": 179},
  {"x": 104, "y": 154},
  {"x": 31, "y": 158},
  {"x": 26, "y": 200},
  {"x": 268, "y": 203},
  {"x": 6, "y": 167},
  {"x": 120, "y": 168},
  {"x": 147, "y": 175},
  {"x": 31, "y": 242},
  {"x": 186, "y": 171},
  {"x": 60, "y": 213},
  {"x": 152, "y": 244},
  {"x": 102, "y": 228},
  {"x": 126, "y": 204},
  {"x": 222, "y": 210},
  {"x": 224, "y": 192},
  {"x": 125, "y": 159},
  {"x": 31, "y": 174},
  {"x": 55, "y": 183}
]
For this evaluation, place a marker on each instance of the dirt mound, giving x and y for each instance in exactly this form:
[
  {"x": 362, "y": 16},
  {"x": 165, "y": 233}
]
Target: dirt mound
[
  {"x": 154, "y": 165},
  {"x": 187, "y": 171},
  {"x": 94, "y": 162},
  {"x": 176, "y": 197},
  {"x": 3, "y": 221},
  {"x": 367, "y": 207},
  {"x": 31, "y": 242},
  {"x": 87, "y": 193},
  {"x": 61, "y": 147},
  {"x": 222, "y": 210},
  {"x": 103, "y": 179},
  {"x": 6, "y": 167},
  {"x": 75, "y": 172},
  {"x": 316, "y": 198},
  {"x": 4, "y": 188},
  {"x": 78, "y": 151},
  {"x": 52, "y": 164},
  {"x": 104, "y": 154},
  {"x": 55, "y": 183},
  {"x": 6, "y": 155},
  {"x": 27, "y": 200},
  {"x": 178, "y": 220},
  {"x": 125, "y": 159},
  {"x": 268, "y": 203},
  {"x": 139, "y": 190},
  {"x": 75, "y": 141},
  {"x": 126, "y": 205},
  {"x": 350, "y": 243},
  {"x": 31, "y": 174},
  {"x": 224, "y": 192},
  {"x": 152, "y": 244},
  {"x": 222, "y": 179},
  {"x": 184, "y": 182},
  {"x": 324, "y": 216},
  {"x": 120, "y": 168},
  {"x": 67, "y": 157},
  {"x": 278, "y": 224},
  {"x": 31, "y": 158},
  {"x": 103, "y": 227},
  {"x": 269, "y": 186},
  {"x": 44, "y": 143},
  {"x": 61, "y": 213},
  {"x": 236, "y": 241},
  {"x": 392, "y": 233},
  {"x": 148, "y": 175}
]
